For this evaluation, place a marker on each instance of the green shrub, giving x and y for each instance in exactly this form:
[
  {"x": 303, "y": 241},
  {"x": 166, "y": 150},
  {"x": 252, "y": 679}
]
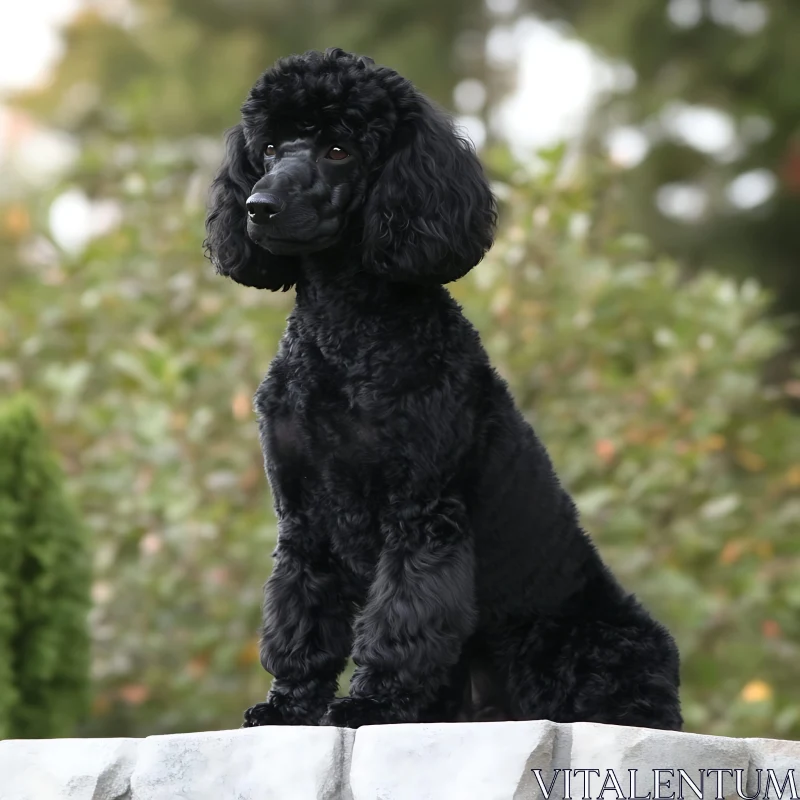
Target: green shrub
[{"x": 44, "y": 587}]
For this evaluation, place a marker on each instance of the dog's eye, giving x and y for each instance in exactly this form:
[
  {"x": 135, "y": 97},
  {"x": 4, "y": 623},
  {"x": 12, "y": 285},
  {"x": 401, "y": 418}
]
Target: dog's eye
[
  {"x": 269, "y": 151},
  {"x": 337, "y": 154}
]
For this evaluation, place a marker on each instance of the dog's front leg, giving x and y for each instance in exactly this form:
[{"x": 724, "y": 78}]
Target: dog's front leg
[
  {"x": 419, "y": 612},
  {"x": 309, "y": 603}
]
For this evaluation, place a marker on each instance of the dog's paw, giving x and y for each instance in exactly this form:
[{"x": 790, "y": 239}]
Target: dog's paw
[
  {"x": 264, "y": 714},
  {"x": 353, "y": 712}
]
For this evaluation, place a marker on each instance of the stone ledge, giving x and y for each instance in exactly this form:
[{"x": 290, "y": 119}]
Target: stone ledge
[{"x": 486, "y": 761}]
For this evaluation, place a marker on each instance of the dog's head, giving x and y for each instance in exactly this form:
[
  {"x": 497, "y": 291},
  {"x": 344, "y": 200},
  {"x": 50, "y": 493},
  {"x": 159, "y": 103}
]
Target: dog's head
[{"x": 333, "y": 150}]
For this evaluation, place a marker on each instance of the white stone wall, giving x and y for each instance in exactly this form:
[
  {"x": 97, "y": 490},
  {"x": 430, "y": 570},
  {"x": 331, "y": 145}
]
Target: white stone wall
[{"x": 486, "y": 761}]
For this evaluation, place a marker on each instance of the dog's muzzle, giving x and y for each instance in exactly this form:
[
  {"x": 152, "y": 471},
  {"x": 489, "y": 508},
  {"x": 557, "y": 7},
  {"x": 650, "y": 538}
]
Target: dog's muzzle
[{"x": 262, "y": 207}]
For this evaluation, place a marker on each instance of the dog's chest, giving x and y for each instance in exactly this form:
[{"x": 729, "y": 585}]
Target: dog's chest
[{"x": 328, "y": 418}]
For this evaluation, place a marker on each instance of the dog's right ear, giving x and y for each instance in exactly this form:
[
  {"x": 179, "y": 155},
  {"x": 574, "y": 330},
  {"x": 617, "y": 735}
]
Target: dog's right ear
[{"x": 227, "y": 244}]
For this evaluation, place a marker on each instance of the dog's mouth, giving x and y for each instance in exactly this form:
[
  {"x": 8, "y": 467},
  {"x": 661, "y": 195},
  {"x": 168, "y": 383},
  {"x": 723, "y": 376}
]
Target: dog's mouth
[
  {"x": 282, "y": 247},
  {"x": 286, "y": 245}
]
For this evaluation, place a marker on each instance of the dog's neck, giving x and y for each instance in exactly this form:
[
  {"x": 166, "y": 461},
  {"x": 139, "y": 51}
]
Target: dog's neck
[
  {"x": 347, "y": 312},
  {"x": 332, "y": 290}
]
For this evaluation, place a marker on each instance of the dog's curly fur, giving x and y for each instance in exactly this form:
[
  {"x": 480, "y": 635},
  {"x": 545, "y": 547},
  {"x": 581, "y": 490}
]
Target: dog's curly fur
[{"x": 422, "y": 529}]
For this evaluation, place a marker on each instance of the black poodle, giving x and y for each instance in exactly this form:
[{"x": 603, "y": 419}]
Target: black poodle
[{"x": 422, "y": 529}]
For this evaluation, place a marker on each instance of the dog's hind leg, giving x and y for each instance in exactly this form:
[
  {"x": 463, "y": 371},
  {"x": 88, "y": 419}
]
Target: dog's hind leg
[{"x": 620, "y": 670}]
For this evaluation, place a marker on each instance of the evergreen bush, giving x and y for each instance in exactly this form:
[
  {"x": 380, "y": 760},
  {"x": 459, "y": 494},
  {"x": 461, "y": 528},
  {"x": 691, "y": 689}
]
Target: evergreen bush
[{"x": 44, "y": 586}]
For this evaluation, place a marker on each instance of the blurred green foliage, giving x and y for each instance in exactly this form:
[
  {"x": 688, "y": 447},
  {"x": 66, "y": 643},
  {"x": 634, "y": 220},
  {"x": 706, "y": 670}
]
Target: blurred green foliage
[
  {"x": 180, "y": 68},
  {"x": 646, "y": 387},
  {"x": 737, "y": 57},
  {"x": 44, "y": 586}
]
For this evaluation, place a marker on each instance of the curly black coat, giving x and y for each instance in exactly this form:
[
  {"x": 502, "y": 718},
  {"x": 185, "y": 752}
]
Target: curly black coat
[{"x": 422, "y": 529}]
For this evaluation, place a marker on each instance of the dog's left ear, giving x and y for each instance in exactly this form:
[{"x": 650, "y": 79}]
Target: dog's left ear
[
  {"x": 430, "y": 215},
  {"x": 227, "y": 244}
]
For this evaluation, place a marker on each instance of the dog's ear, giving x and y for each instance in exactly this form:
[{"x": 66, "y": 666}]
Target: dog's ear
[
  {"x": 227, "y": 244},
  {"x": 430, "y": 215}
]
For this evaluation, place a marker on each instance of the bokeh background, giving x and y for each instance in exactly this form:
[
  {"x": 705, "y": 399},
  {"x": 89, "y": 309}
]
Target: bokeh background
[{"x": 641, "y": 300}]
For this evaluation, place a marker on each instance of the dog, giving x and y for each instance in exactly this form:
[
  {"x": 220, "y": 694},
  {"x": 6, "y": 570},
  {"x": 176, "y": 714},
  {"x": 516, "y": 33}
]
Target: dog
[{"x": 422, "y": 529}]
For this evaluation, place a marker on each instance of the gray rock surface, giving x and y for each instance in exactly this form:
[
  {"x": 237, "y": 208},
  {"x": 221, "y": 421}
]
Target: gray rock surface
[
  {"x": 440, "y": 762},
  {"x": 67, "y": 769},
  {"x": 249, "y": 764},
  {"x": 487, "y": 761}
]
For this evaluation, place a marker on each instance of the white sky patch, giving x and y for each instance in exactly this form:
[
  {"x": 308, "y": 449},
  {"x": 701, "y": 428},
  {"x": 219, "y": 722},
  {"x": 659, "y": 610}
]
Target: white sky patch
[
  {"x": 74, "y": 219},
  {"x": 704, "y": 128},
  {"x": 751, "y": 189},
  {"x": 29, "y": 39},
  {"x": 469, "y": 96},
  {"x": 686, "y": 202},
  {"x": 626, "y": 146},
  {"x": 558, "y": 79},
  {"x": 684, "y": 13},
  {"x": 70, "y": 220}
]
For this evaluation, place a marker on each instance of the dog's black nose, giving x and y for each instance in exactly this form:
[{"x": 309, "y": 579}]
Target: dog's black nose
[{"x": 260, "y": 207}]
